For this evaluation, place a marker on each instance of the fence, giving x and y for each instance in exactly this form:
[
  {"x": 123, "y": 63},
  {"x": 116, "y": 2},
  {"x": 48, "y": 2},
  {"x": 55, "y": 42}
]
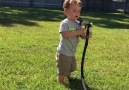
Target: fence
[
  {"x": 109, "y": 4},
  {"x": 95, "y": 4},
  {"x": 33, "y": 3}
]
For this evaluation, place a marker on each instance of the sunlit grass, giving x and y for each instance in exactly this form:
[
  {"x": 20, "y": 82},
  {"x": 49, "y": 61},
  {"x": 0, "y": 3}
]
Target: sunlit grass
[{"x": 28, "y": 46}]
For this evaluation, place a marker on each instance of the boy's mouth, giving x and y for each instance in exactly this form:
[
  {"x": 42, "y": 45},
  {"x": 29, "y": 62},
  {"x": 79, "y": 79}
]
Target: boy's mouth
[{"x": 76, "y": 16}]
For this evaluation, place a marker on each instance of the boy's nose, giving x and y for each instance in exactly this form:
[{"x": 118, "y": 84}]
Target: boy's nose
[{"x": 76, "y": 13}]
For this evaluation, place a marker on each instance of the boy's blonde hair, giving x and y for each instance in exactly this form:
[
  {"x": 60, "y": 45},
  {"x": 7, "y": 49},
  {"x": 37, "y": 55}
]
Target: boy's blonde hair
[{"x": 67, "y": 3}]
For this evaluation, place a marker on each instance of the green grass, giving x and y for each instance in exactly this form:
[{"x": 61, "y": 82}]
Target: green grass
[{"x": 28, "y": 41}]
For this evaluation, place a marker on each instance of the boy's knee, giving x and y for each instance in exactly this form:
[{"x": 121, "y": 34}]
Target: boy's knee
[{"x": 61, "y": 81}]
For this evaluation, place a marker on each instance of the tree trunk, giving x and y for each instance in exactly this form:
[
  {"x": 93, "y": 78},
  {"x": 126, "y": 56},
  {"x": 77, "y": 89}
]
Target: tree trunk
[
  {"x": 31, "y": 3},
  {"x": 102, "y": 5},
  {"x": 87, "y": 4},
  {"x": 125, "y": 9}
]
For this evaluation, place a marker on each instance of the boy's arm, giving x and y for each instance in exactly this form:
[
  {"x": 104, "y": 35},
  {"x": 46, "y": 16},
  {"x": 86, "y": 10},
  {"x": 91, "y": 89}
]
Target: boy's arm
[{"x": 68, "y": 34}]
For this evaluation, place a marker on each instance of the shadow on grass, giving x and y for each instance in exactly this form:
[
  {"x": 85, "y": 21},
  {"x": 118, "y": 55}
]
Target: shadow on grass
[
  {"x": 109, "y": 20},
  {"x": 76, "y": 84},
  {"x": 27, "y": 16}
]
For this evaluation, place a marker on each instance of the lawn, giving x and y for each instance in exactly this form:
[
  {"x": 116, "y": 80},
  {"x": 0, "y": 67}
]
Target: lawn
[{"x": 28, "y": 42}]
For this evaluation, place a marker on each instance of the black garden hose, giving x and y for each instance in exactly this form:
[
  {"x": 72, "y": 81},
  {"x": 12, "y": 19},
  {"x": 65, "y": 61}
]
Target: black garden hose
[{"x": 88, "y": 25}]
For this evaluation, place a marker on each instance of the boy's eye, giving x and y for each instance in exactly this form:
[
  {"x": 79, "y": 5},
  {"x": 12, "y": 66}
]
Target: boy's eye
[{"x": 76, "y": 10}]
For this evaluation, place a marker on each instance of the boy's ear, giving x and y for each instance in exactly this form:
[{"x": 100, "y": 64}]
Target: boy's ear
[{"x": 65, "y": 10}]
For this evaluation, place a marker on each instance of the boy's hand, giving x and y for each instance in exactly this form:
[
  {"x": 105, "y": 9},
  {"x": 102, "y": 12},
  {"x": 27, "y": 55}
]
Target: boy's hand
[
  {"x": 82, "y": 32},
  {"x": 83, "y": 36}
]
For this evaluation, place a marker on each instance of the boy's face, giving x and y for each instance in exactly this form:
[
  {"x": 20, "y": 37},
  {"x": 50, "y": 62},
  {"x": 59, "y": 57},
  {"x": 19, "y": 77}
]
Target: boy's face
[{"x": 73, "y": 12}]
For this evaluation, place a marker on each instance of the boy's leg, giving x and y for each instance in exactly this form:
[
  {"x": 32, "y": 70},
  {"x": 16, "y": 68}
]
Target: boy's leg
[
  {"x": 63, "y": 66},
  {"x": 61, "y": 79},
  {"x": 73, "y": 67},
  {"x": 73, "y": 64},
  {"x": 68, "y": 75},
  {"x": 61, "y": 76}
]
